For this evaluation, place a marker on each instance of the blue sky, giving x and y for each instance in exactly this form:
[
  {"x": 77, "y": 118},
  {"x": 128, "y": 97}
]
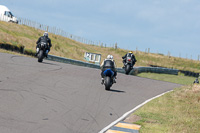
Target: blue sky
[{"x": 161, "y": 25}]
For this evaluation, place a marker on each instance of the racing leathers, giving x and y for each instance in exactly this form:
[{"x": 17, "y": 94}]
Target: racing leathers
[
  {"x": 108, "y": 64},
  {"x": 44, "y": 39}
]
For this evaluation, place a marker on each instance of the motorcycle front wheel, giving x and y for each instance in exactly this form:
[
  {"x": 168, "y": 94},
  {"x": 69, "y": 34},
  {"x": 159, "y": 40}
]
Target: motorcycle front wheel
[
  {"x": 40, "y": 56},
  {"x": 127, "y": 68}
]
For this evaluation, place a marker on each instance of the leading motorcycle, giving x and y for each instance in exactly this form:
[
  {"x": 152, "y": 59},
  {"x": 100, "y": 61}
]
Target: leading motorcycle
[
  {"x": 42, "y": 51},
  {"x": 128, "y": 65}
]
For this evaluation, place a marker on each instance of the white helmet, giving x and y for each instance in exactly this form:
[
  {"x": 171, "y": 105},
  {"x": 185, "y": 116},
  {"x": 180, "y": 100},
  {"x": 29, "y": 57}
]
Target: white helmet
[
  {"x": 45, "y": 34},
  {"x": 109, "y": 57}
]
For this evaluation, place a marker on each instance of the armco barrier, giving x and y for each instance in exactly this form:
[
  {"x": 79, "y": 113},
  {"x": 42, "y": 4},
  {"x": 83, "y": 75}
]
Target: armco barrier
[
  {"x": 120, "y": 70},
  {"x": 161, "y": 70},
  {"x": 70, "y": 61},
  {"x": 156, "y": 70},
  {"x": 135, "y": 70}
]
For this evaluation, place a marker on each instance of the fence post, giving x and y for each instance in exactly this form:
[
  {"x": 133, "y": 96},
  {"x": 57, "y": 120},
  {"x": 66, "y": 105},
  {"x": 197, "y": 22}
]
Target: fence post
[
  {"x": 54, "y": 30},
  {"x": 168, "y": 54},
  {"x": 115, "y": 45}
]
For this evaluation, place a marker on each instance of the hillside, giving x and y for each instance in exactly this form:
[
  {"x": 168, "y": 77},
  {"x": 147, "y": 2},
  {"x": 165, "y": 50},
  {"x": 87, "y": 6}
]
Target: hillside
[{"x": 23, "y": 35}]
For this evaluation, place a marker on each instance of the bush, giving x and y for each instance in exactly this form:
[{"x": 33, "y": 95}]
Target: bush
[{"x": 29, "y": 52}]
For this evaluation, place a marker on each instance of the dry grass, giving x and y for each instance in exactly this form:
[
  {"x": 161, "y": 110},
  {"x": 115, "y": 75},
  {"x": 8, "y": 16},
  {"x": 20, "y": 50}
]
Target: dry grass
[
  {"x": 11, "y": 52},
  {"x": 65, "y": 47},
  {"x": 175, "y": 112},
  {"x": 178, "y": 79}
]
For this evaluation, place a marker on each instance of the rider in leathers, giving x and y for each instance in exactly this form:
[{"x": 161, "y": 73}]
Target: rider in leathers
[
  {"x": 108, "y": 63},
  {"x": 129, "y": 54},
  {"x": 44, "y": 39}
]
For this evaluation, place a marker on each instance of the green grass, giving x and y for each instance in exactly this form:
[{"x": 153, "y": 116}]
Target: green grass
[
  {"x": 179, "y": 79},
  {"x": 175, "y": 112}
]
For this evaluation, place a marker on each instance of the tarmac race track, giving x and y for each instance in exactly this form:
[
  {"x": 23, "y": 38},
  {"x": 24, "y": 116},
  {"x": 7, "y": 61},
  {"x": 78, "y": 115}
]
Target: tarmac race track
[{"x": 52, "y": 97}]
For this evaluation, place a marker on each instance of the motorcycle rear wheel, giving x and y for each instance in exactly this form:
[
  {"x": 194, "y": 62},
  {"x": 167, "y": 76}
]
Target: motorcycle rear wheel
[{"x": 107, "y": 83}]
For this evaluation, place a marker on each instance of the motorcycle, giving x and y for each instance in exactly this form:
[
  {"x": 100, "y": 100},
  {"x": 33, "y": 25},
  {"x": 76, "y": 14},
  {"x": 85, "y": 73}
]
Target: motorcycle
[
  {"x": 128, "y": 65},
  {"x": 108, "y": 78},
  {"x": 42, "y": 51}
]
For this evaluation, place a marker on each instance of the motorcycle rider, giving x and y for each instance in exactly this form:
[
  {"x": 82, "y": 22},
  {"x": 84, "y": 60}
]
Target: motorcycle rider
[
  {"x": 129, "y": 54},
  {"x": 46, "y": 40},
  {"x": 108, "y": 63}
]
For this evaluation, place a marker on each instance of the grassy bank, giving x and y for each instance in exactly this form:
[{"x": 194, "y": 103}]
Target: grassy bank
[
  {"x": 10, "y": 52},
  {"x": 175, "y": 112},
  {"x": 23, "y": 35}
]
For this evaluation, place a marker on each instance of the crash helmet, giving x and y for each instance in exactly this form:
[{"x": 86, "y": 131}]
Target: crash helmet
[
  {"x": 130, "y": 52},
  {"x": 45, "y": 34},
  {"x": 109, "y": 57}
]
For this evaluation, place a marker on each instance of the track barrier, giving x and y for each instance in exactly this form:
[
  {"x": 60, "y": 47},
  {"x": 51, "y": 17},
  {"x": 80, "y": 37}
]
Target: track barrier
[{"x": 134, "y": 71}]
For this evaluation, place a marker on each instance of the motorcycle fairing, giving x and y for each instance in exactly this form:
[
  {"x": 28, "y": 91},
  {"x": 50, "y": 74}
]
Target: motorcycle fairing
[{"x": 108, "y": 72}]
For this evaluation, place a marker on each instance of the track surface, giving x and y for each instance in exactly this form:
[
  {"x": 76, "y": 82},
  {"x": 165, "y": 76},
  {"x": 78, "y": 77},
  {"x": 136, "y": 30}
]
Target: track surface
[{"x": 52, "y": 97}]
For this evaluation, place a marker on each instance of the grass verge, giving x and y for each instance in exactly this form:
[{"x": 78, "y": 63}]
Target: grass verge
[
  {"x": 13, "y": 52},
  {"x": 175, "y": 112},
  {"x": 179, "y": 79}
]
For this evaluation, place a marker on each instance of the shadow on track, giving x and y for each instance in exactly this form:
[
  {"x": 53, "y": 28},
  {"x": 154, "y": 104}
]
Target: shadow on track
[{"x": 116, "y": 91}]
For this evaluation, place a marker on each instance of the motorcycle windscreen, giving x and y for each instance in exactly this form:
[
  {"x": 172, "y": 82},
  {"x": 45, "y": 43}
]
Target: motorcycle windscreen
[
  {"x": 128, "y": 59},
  {"x": 108, "y": 72}
]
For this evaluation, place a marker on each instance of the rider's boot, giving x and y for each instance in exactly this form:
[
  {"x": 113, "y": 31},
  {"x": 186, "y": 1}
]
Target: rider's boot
[
  {"x": 124, "y": 64},
  {"x": 47, "y": 51},
  {"x": 102, "y": 80},
  {"x": 114, "y": 79}
]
